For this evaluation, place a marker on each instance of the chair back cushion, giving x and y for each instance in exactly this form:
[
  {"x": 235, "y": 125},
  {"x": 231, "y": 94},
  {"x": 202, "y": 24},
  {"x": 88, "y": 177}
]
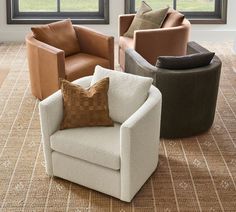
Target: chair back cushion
[
  {"x": 173, "y": 19},
  {"x": 60, "y": 34},
  {"x": 126, "y": 92},
  {"x": 185, "y": 62},
  {"x": 146, "y": 18},
  {"x": 85, "y": 108}
]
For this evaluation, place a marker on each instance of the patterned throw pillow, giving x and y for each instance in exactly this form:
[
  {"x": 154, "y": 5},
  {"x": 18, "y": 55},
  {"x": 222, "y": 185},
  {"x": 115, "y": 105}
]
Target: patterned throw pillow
[
  {"x": 146, "y": 18},
  {"x": 85, "y": 108}
]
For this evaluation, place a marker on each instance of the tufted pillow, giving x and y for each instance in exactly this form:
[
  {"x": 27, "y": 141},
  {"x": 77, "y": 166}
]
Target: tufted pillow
[
  {"x": 85, "y": 108},
  {"x": 146, "y": 18},
  {"x": 59, "y": 34},
  {"x": 126, "y": 92}
]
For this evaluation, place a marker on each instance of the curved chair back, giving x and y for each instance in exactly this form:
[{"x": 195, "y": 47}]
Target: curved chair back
[{"x": 188, "y": 96}]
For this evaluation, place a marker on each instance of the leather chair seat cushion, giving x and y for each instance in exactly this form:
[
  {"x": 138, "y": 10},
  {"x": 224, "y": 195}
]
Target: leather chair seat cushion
[
  {"x": 126, "y": 42},
  {"x": 81, "y": 65},
  {"x": 60, "y": 34},
  {"x": 90, "y": 144}
]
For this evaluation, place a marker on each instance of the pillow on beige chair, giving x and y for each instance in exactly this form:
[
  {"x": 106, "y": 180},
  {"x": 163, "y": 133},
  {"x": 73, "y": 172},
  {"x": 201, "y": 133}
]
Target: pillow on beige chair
[
  {"x": 85, "y": 108},
  {"x": 146, "y": 18},
  {"x": 60, "y": 34},
  {"x": 127, "y": 92}
]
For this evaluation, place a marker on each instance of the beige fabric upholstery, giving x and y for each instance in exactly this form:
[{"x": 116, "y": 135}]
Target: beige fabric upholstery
[
  {"x": 123, "y": 104},
  {"x": 47, "y": 64},
  {"x": 98, "y": 145},
  {"x": 152, "y": 43},
  {"x": 87, "y": 174},
  {"x": 134, "y": 144}
]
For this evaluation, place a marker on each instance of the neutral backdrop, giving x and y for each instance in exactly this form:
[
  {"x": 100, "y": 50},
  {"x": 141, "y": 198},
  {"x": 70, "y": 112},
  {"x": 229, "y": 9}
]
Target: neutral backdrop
[{"x": 219, "y": 32}]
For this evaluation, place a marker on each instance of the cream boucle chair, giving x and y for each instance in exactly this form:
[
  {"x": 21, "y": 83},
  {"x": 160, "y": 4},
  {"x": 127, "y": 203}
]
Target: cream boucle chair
[{"x": 113, "y": 160}]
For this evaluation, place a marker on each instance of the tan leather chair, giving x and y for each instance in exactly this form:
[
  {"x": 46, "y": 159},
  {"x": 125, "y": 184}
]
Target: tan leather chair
[
  {"x": 152, "y": 43},
  {"x": 47, "y": 64}
]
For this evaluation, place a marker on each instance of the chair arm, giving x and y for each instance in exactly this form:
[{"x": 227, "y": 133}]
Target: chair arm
[
  {"x": 95, "y": 43},
  {"x": 46, "y": 66},
  {"x": 136, "y": 64},
  {"x": 124, "y": 23},
  {"x": 51, "y": 115},
  {"x": 139, "y": 145},
  {"x": 158, "y": 42}
]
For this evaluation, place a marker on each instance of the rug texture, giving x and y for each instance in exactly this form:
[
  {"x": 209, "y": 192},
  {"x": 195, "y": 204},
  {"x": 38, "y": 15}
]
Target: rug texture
[
  {"x": 194, "y": 174},
  {"x": 3, "y": 74}
]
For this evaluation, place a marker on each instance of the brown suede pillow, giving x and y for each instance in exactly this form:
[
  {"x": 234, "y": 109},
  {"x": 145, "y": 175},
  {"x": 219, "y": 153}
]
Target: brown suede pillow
[
  {"x": 146, "y": 18},
  {"x": 85, "y": 108},
  {"x": 60, "y": 34},
  {"x": 173, "y": 19}
]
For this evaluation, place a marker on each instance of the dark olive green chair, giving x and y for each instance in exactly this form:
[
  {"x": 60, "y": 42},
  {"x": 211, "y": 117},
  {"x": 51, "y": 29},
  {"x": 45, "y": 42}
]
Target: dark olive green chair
[{"x": 188, "y": 96}]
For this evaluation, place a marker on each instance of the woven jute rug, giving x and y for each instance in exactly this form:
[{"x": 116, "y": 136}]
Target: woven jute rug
[
  {"x": 3, "y": 74},
  {"x": 194, "y": 174}
]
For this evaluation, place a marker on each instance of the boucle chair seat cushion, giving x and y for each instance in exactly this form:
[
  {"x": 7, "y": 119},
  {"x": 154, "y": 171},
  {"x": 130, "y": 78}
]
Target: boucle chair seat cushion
[{"x": 97, "y": 145}]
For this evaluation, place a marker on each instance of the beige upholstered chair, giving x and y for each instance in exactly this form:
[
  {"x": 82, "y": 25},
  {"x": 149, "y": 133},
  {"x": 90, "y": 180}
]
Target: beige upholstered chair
[{"x": 114, "y": 160}]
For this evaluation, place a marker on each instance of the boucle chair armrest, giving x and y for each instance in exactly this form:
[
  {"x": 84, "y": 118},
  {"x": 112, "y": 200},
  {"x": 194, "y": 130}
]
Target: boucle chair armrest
[
  {"x": 51, "y": 114},
  {"x": 139, "y": 145},
  {"x": 136, "y": 64}
]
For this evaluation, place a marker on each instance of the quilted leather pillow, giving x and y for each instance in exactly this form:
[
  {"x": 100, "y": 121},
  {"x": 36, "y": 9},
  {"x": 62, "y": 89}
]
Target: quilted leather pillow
[
  {"x": 127, "y": 92},
  {"x": 60, "y": 34},
  {"x": 85, "y": 108},
  {"x": 146, "y": 18}
]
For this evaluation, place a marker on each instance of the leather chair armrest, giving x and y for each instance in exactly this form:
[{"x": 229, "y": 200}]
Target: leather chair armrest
[
  {"x": 164, "y": 41},
  {"x": 124, "y": 23},
  {"x": 95, "y": 43},
  {"x": 46, "y": 66}
]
